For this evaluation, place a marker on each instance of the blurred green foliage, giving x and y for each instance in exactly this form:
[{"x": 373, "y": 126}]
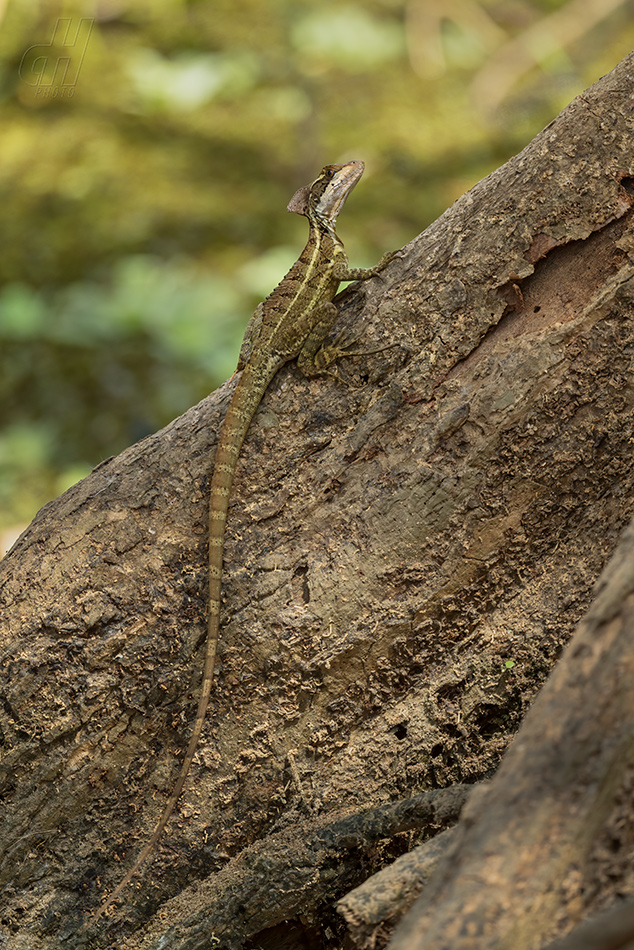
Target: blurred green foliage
[{"x": 149, "y": 148}]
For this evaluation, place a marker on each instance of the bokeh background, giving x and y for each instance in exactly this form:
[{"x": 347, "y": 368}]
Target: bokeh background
[{"x": 149, "y": 147}]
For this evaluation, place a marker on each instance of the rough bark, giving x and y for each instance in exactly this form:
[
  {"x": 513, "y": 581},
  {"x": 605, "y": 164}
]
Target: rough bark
[
  {"x": 406, "y": 557},
  {"x": 372, "y": 909},
  {"x": 301, "y": 867},
  {"x": 611, "y": 930},
  {"x": 522, "y": 862}
]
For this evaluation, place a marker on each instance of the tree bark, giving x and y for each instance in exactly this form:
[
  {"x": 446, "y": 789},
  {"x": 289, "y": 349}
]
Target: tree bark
[
  {"x": 406, "y": 557},
  {"x": 525, "y": 857}
]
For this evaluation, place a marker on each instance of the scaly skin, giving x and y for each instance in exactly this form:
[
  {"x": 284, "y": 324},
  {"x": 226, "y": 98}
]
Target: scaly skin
[{"x": 291, "y": 323}]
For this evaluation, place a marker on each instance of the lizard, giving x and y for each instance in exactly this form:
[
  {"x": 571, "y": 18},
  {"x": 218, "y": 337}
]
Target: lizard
[{"x": 291, "y": 323}]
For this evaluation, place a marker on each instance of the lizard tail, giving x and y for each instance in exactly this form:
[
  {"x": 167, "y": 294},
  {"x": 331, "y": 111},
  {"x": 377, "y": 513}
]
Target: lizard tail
[{"x": 244, "y": 402}]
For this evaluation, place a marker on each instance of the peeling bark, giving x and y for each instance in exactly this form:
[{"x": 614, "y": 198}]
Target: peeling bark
[{"x": 406, "y": 558}]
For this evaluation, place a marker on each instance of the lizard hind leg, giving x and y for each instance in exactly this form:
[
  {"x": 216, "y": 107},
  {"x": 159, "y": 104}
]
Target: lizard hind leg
[{"x": 330, "y": 353}]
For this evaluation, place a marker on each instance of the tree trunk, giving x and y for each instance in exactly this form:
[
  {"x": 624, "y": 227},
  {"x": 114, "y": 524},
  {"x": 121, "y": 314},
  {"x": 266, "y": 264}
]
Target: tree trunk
[
  {"x": 406, "y": 557},
  {"x": 538, "y": 847}
]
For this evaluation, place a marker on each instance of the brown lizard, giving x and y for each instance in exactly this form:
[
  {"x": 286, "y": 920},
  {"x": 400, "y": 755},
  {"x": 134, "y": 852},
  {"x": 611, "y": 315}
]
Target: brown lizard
[{"x": 292, "y": 322}]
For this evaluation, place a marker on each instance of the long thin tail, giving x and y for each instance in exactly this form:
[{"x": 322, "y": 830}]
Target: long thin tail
[{"x": 244, "y": 402}]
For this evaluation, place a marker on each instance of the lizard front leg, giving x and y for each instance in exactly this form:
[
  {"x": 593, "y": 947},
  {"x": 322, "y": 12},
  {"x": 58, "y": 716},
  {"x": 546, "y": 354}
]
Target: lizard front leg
[{"x": 343, "y": 272}]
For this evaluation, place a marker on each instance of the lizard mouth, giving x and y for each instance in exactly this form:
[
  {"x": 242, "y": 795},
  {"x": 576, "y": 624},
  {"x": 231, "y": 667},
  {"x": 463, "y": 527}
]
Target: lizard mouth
[{"x": 334, "y": 197}]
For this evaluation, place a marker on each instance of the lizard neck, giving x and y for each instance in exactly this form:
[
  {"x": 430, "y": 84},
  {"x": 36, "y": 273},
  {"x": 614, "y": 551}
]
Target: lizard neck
[
  {"x": 323, "y": 241},
  {"x": 323, "y": 248}
]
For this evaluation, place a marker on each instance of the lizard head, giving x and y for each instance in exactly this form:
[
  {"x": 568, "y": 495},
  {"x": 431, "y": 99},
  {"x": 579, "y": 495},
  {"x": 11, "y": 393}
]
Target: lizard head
[{"x": 322, "y": 201}]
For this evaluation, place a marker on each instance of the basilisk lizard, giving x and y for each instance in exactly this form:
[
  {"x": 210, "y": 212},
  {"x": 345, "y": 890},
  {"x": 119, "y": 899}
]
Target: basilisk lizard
[{"x": 292, "y": 322}]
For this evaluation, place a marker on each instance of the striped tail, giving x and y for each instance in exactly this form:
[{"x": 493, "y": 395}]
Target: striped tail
[{"x": 244, "y": 402}]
